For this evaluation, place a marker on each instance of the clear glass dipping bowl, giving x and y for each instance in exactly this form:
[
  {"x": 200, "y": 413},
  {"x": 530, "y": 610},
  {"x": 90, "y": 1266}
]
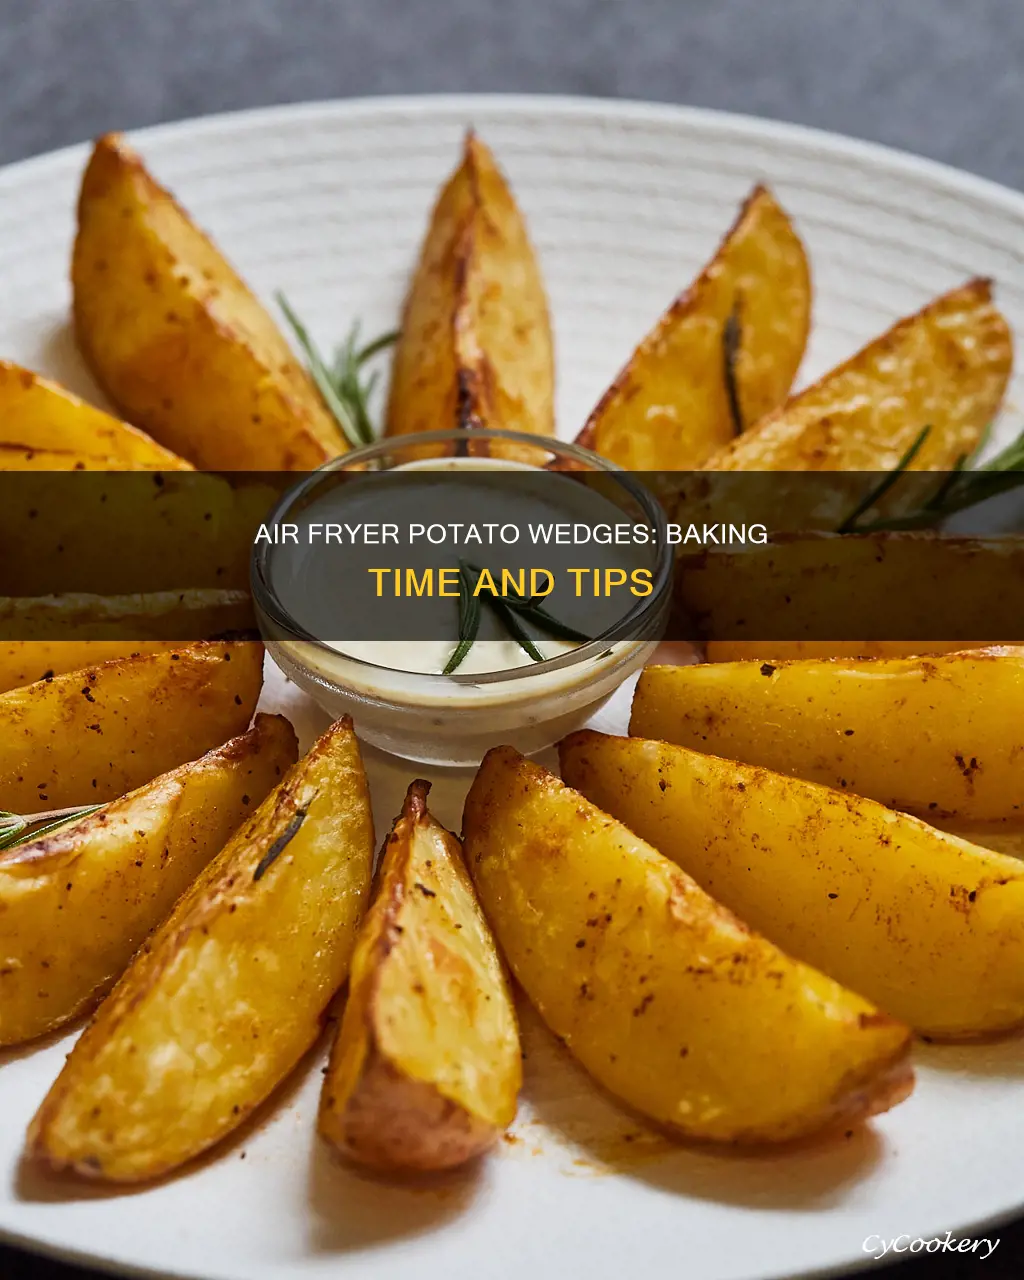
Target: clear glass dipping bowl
[{"x": 454, "y": 720}]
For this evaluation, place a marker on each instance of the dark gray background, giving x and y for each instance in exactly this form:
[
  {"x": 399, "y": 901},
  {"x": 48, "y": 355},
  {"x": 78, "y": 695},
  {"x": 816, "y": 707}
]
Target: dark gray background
[{"x": 944, "y": 78}]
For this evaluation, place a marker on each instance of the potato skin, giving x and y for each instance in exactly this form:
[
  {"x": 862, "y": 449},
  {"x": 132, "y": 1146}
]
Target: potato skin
[
  {"x": 77, "y": 904},
  {"x": 953, "y": 749},
  {"x": 668, "y": 409},
  {"x": 668, "y": 1000},
  {"x": 92, "y": 735},
  {"x": 947, "y": 366},
  {"x": 793, "y": 650},
  {"x": 43, "y": 415},
  {"x": 928, "y": 926},
  {"x": 175, "y": 337},
  {"x": 221, "y": 1004},
  {"x": 476, "y": 347},
  {"x": 426, "y": 1066}
]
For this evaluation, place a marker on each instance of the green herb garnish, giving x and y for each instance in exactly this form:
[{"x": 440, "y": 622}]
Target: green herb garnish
[
  {"x": 732, "y": 336},
  {"x": 19, "y": 828},
  {"x": 886, "y": 483},
  {"x": 959, "y": 489},
  {"x": 341, "y": 384},
  {"x": 510, "y": 613},
  {"x": 280, "y": 844}
]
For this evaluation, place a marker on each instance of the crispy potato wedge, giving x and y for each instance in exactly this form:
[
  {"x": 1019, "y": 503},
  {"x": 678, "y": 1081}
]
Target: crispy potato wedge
[
  {"x": 822, "y": 588},
  {"x": 77, "y": 904},
  {"x": 928, "y": 926},
  {"x": 176, "y": 339},
  {"x": 792, "y": 650},
  {"x": 43, "y": 415},
  {"x": 23, "y": 457},
  {"x": 945, "y": 367},
  {"x": 426, "y": 1068},
  {"x": 90, "y": 736},
  {"x": 476, "y": 347},
  {"x": 664, "y": 996},
  {"x": 929, "y": 735},
  {"x": 220, "y": 1005},
  {"x": 131, "y": 533},
  {"x": 670, "y": 407},
  {"x": 54, "y": 634}
]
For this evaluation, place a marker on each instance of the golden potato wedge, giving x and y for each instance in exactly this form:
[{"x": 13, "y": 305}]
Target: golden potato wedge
[
  {"x": 220, "y": 1005},
  {"x": 76, "y": 904},
  {"x": 176, "y": 339},
  {"x": 929, "y": 735},
  {"x": 426, "y": 1067},
  {"x": 476, "y": 347},
  {"x": 23, "y": 457},
  {"x": 945, "y": 367},
  {"x": 139, "y": 532},
  {"x": 664, "y": 996},
  {"x": 744, "y": 320},
  {"x": 928, "y": 926},
  {"x": 55, "y": 634},
  {"x": 822, "y": 588},
  {"x": 90, "y": 736},
  {"x": 42, "y": 415},
  {"x": 791, "y": 650}
]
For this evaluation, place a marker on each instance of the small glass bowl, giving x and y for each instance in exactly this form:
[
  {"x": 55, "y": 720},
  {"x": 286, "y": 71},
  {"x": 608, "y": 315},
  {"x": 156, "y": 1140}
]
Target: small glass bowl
[{"x": 455, "y": 719}]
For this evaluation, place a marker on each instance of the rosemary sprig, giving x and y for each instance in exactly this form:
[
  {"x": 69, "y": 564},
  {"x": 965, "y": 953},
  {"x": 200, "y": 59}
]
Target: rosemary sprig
[
  {"x": 469, "y": 620},
  {"x": 341, "y": 384},
  {"x": 15, "y": 827},
  {"x": 281, "y": 843},
  {"x": 510, "y": 613},
  {"x": 886, "y": 483},
  {"x": 732, "y": 336},
  {"x": 961, "y": 488}
]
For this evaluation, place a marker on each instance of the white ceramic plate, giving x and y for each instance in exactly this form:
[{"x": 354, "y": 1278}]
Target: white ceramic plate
[{"x": 328, "y": 202}]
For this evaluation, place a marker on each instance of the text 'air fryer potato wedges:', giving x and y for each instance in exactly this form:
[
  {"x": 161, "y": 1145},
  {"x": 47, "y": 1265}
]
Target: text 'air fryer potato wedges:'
[
  {"x": 665, "y": 997},
  {"x": 221, "y": 1004}
]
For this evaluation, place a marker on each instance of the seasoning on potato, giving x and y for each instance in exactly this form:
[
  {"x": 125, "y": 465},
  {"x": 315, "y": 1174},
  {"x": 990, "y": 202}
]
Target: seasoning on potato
[
  {"x": 42, "y": 415},
  {"x": 77, "y": 903},
  {"x": 928, "y": 926},
  {"x": 667, "y": 999},
  {"x": 946, "y": 368},
  {"x": 175, "y": 337},
  {"x": 723, "y": 355},
  {"x": 426, "y": 1067},
  {"x": 92, "y": 735},
  {"x": 475, "y": 347},
  {"x": 218, "y": 1008},
  {"x": 953, "y": 749}
]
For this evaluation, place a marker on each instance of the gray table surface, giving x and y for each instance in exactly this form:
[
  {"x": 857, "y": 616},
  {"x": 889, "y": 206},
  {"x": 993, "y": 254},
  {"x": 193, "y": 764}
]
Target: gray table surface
[{"x": 944, "y": 78}]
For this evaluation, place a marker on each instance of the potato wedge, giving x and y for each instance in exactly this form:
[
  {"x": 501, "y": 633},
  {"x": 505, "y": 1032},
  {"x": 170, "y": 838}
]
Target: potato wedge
[
  {"x": 176, "y": 339},
  {"x": 220, "y": 1005},
  {"x": 77, "y": 904},
  {"x": 664, "y": 996},
  {"x": 476, "y": 346},
  {"x": 426, "y": 1068},
  {"x": 928, "y": 926},
  {"x": 945, "y": 367},
  {"x": 930, "y": 735},
  {"x": 23, "y": 457},
  {"x": 792, "y": 650},
  {"x": 54, "y": 634},
  {"x": 890, "y": 587},
  {"x": 90, "y": 736},
  {"x": 41, "y": 414},
  {"x": 669, "y": 408}
]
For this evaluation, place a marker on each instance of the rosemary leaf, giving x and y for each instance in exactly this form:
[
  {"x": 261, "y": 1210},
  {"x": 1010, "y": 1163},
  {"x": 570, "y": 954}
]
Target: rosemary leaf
[
  {"x": 280, "y": 844},
  {"x": 15, "y": 827},
  {"x": 322, "y": 376},
  {"x": 885, "y": 484},
  {"x": 539, "y": 616},
  {"x": 512, "y": 625},
  {"x": 469, "y": 618},
  {"x": 732, "y": 336}
]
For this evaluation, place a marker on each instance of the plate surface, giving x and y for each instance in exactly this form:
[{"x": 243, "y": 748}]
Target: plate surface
[{"x": 328, "y": 202}]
